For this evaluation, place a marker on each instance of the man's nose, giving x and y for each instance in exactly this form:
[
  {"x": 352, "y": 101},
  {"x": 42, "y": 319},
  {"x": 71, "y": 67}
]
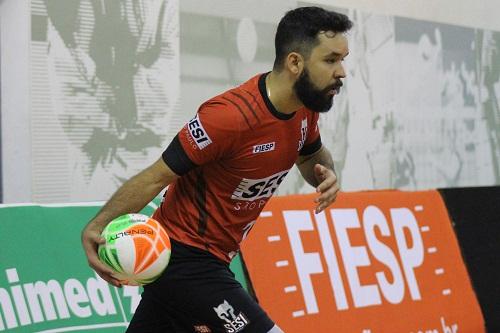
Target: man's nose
[{"x": 340, "y": 72}]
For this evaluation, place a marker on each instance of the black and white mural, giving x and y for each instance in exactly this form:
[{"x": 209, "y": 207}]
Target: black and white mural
[{"x": 113, "y": 81}]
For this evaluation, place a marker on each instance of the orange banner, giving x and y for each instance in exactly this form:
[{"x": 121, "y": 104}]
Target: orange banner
[{"x": 374, "y": 262}]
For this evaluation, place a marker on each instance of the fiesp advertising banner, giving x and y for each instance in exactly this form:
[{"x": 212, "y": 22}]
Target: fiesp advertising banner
[
  {"x": 45, "y": 282},
  {"x": 374, "y": 262}
]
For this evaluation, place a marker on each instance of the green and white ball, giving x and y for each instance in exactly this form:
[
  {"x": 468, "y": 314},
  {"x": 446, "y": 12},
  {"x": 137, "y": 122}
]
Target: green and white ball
[{"x": 137, "y": 248}]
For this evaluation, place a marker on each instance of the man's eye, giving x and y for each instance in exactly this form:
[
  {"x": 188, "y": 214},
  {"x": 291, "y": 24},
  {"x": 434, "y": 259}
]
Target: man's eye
[{"x": 331, "y": 61}]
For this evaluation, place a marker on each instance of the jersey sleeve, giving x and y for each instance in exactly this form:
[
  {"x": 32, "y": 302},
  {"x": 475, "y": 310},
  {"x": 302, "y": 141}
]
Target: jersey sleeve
[
  {"x": 313, "y": 139},
  {"x": 207, "y": 137}
]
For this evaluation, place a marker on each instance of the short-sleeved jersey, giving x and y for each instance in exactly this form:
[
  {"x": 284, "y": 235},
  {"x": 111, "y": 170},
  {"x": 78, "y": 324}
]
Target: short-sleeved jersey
[{"x": 231, "y": 156}]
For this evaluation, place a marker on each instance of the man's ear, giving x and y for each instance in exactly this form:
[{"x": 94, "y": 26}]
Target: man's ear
[{"x": 294, "y": 63}]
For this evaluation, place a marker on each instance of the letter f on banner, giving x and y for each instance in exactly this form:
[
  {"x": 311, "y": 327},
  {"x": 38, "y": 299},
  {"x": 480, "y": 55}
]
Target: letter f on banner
[{"x": 306, "y": 263}]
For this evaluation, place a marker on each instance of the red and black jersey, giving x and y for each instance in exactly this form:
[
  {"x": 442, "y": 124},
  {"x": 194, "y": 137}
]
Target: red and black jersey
[{"x": 231, "y": 157}]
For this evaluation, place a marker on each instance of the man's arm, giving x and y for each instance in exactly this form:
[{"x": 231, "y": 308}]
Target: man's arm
[
  {"x": 318, "y": 170},
  {"x": 131, "y": 197}
]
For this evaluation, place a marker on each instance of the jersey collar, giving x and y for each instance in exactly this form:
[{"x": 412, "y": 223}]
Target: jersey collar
[{"x": 269, "y": 104}]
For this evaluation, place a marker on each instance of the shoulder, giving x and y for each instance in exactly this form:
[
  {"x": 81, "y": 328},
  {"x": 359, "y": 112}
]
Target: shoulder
[
  {"x": 235, "y": 107},
  {"x": 218, "y": 109}
]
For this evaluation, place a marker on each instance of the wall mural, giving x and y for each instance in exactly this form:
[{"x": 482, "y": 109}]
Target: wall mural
[
  {"x": 419, "y": 108},
  {"x": 106, "y": 74}
]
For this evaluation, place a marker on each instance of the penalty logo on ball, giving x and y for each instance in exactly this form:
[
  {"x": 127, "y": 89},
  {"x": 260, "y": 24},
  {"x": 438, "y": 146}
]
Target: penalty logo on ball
[{"x": 137, "y": 248}]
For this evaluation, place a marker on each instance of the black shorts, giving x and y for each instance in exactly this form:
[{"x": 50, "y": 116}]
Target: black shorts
[{"x": 197, "y": 293}]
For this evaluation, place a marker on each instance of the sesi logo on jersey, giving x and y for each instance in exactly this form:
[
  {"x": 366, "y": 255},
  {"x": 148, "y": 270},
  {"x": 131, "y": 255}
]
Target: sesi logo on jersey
[
  {"x": 253, "y": 189},
  {"x": 198, "y": 133}
]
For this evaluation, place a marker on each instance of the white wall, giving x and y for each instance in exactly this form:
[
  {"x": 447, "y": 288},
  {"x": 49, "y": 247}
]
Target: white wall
[
  {"x": 16, "y": 138},
  {"x": 469, "y": 13},
  {"x": 15, "y": 32},
  {"x": 479, "y": 14}
]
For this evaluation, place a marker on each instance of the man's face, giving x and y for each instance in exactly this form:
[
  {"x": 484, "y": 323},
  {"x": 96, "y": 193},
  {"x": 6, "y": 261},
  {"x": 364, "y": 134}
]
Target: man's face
[{"x": 320, "y": 80}]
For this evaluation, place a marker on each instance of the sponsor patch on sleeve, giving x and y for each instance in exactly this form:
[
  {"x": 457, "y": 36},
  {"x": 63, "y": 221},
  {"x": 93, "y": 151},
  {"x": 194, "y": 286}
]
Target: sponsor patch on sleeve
[{"x": 198, "y": 133}]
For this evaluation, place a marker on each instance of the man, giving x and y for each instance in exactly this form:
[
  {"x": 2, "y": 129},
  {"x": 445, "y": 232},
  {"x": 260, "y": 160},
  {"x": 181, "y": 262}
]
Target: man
[{"x": 222, "y": 168}]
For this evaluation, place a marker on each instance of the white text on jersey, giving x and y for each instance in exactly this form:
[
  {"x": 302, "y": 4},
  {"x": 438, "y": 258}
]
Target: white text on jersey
[
  {"x": 198, "y": 133},
  {"x": 303, "y": 134},
  {"x": 253, "y": 189}
]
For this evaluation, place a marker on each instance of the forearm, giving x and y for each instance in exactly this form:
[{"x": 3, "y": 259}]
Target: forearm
[
  {"x": 132, "y": 196},
  {"x": 306, "y": 165}
]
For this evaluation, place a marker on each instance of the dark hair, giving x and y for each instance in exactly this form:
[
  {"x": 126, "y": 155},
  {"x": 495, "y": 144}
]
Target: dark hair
[{"x": 299, "y": 28}]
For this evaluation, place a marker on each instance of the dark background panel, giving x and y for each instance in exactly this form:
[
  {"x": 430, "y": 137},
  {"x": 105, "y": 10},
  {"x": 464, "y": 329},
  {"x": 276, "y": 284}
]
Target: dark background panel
[{"x": 475, "y": 214}]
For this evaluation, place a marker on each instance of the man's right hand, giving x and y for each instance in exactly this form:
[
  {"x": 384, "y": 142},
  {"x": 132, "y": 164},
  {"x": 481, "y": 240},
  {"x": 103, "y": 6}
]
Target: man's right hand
[
  {"x": 91, "y": 239},
  {"x": 131, "y": 197}
]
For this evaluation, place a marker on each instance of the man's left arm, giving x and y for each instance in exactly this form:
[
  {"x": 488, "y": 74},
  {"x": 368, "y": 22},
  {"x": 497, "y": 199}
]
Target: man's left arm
[{"x": 318, "y": 170}]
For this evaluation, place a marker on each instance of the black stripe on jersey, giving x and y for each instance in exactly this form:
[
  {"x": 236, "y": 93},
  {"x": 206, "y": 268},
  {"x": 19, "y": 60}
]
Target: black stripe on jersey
[
  {"x": 253, "y": 97},
  {"x": 239, "y": 109},
  {"x": 176, "y": 158},
  {"x": 246, "y": 103},
  {"x": 190, "y": 181},
  {"x": 196, "y": 181},
  {"x": 182, "y": 185},
  {"x": 201, "y": 203},
  {"x": 311, "y": 148}
]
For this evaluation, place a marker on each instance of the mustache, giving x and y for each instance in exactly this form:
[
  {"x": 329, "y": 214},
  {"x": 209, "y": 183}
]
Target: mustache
[{"x": 335, "y": 86}]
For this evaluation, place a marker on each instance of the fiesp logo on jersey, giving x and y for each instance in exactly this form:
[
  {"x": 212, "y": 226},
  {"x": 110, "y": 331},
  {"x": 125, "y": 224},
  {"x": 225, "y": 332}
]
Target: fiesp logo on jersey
[
  {"x": 263, "y": 148},
  {"x": 253, "y": 189},
  {"x": 198, "y": 133}
]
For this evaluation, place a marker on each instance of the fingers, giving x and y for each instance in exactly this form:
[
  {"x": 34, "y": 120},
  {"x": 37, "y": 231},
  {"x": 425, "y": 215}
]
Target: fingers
[
  {"x": 326, "y": 199},
  {"x": 110, "y": 279},
  {"x": 328, "y": 188},
  {"x": 104, "y": 271},
  {"x": 327, "y": 184},
  {"x": 90, "y": 241},
  {"x": 326, "y": 176}
]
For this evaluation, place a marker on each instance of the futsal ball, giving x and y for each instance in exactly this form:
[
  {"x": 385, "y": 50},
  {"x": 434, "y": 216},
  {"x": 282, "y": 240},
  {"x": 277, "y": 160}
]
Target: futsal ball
[{"x": 137, "y": 248}]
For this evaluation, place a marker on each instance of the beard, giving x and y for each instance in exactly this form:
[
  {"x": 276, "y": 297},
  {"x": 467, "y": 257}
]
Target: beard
[{"x": 318, "y": 100}]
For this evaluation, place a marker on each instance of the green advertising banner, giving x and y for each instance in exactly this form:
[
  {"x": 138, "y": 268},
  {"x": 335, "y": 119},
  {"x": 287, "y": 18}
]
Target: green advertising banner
[{"x": 45, "y": 282}]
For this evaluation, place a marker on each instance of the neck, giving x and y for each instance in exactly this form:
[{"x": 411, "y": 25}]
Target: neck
[{"x": 280, "y": 91}]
